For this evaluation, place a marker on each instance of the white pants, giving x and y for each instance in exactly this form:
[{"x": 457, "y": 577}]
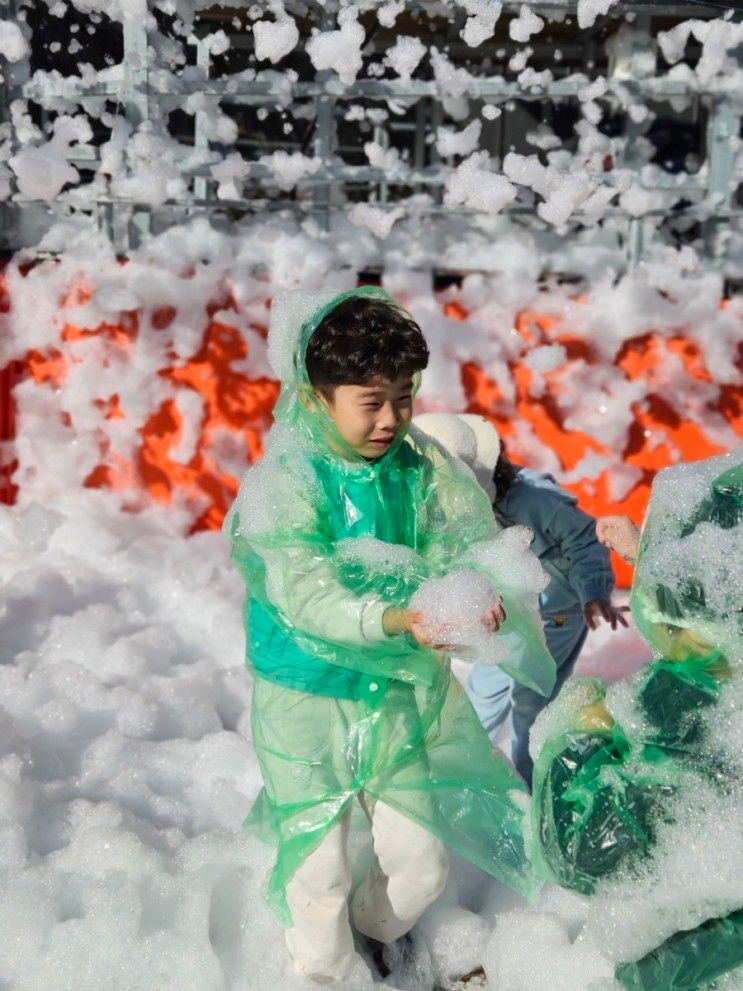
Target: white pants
[{"x": 408, "y": 873}]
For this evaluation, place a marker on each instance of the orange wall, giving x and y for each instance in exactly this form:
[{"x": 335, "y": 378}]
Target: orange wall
[{"x": 243, "y": 406}]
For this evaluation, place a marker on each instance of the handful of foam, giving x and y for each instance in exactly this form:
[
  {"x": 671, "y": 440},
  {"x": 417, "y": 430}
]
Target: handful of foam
[{"x": 454, "y": 609}]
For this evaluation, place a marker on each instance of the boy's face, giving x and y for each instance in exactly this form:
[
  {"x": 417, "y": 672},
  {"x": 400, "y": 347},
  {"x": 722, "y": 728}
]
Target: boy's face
[{"x": 369, "y": 417}]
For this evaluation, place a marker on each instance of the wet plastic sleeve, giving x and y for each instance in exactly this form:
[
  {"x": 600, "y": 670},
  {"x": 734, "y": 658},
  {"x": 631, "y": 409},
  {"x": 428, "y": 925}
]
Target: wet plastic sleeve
[{"x": 302, "y": 585}]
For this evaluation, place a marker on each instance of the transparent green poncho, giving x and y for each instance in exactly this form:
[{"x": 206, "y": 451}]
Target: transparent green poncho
[
  {"x": 326, "y": 541},
  {"x": 600, "y": 793}
]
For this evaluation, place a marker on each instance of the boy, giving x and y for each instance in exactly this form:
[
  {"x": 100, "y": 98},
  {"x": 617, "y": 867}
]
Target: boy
[
  {"x": 352, "y": 698},
  {"x": 581, "y": 579}
]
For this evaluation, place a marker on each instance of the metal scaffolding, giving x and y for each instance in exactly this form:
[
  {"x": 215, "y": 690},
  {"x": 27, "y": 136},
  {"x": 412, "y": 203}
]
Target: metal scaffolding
[{"x": 142, "y": 92}]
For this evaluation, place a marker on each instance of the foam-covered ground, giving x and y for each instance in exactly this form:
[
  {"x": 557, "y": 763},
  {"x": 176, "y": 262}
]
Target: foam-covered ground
[{"x": 126, "y": 769}]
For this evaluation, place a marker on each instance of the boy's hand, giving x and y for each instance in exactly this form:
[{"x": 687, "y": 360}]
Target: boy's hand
[
  {"x": 495, "y": 615},
  {"x": 598, "y": 609},
  {"x": 396, "y": 621},
  {"x": 433, "y": 639},
  {"x": 620, "y": 534}
]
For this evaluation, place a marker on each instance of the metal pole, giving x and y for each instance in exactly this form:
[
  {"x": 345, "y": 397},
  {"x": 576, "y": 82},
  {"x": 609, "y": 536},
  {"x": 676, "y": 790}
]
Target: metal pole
[
  {"x": 200, "y": 140},
  {"x": 325, "y": 131},
  {"x": 11, "y": 79},
  {"x": 721, "y": 132},
  {"x": 382, "y": 138},
  {"x": 635, "y": 242},
  {"x": 635, "y": 246},
  {"x": 136, "y": 98}
]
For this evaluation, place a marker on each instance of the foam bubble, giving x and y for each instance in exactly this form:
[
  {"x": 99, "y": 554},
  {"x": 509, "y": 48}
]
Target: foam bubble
[
  {"x": 275, "y": 39},
  {"x": 454, "y": 608}
]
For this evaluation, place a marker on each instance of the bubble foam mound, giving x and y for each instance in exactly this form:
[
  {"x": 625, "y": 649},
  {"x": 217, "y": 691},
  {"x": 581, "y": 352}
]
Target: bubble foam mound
[{"x": 454, "y": 608}]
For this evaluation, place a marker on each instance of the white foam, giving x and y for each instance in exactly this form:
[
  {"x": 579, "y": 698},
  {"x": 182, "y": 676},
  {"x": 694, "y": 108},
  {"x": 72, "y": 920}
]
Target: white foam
[
  {"x": 42, "y": 171},
  {"x": 474, "y": 185},
  {"x": 589, "y": 10},
  {"x": 339, "y": 50},
  {"x": 275, "y": 39},
  {"x": 13, "y": 45},
  {"x": 454, "y": 608},
  {"x": 525, "y": 25},
  {"x": 546, "y": 358},
  {"x": 375, "y": 219},
  {"x": 531, "y": 951},
  {"x": 463, "y": 142},
  {"x": 480, "y": 24},
  {"x": 229, "y": 173},
  {"x": 289, "y": 168},
  {"x": 405, "y": 55}
]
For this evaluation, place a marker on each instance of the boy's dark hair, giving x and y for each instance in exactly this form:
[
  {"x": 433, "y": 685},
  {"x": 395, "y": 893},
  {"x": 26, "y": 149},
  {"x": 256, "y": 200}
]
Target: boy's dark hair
[
  {"x": 361, "y": 339},
  {"x": 504, "y": 475}
]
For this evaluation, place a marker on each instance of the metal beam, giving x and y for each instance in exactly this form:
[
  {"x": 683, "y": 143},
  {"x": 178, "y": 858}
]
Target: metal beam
[{"x": 263, "y": 91}]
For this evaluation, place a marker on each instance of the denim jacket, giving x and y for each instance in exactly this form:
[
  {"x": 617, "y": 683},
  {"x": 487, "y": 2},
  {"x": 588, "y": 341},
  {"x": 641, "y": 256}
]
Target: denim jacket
[{"x": 564, "y": 541}]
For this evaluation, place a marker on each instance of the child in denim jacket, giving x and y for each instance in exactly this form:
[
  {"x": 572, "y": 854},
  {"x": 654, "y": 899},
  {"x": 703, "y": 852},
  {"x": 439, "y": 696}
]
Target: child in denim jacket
[{"x": 578, "y": 596}]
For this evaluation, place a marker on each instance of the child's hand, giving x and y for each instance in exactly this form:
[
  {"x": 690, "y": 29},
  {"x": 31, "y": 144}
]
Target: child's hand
[
  {"x": 598, "y": 609},
  {"x": 620, "y": 534},
  {"x": 594, "y": 717},
  {"x": 495, "y": 615},
  {"x": 396, "y": 621},
  {"x": 433, "y": 639}
]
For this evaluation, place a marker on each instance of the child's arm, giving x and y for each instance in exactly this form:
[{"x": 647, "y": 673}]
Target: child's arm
[
  {"x": 620, "y": 534},
  {"x": 323, "y": 616},
  {"x": 302, "y": 585},
  {"x": 591, "y": 575},
  {"x": 280, "y": 548}
]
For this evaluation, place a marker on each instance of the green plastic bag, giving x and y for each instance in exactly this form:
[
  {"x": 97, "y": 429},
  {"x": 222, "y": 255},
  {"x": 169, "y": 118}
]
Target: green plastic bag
[
  {"x": 326, "y": 541},
  {"x": 696, "y": 606},
  {"x": 594, "y": 809},
  {"x": 689, "y": 960},
  {"x": 599, "y": 797}
]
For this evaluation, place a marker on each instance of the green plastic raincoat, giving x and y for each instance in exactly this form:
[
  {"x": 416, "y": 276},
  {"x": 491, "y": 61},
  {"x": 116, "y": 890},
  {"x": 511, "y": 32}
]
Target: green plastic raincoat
[
  {"x": 326, "y": 541},
  {"x": 600, "y": 793}
]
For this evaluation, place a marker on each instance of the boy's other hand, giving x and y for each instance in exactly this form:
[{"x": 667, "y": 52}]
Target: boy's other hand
[
  {"x": 620, "y": 534},
  {"x": 495, "y": 615},
  {"x": 598, "y": 609}
]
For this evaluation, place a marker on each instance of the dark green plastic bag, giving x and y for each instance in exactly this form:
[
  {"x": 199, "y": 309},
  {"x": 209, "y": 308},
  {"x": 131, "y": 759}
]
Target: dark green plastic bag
[
  {"x": 593, "y": 809},
  {"x": 689, "y": 960}
]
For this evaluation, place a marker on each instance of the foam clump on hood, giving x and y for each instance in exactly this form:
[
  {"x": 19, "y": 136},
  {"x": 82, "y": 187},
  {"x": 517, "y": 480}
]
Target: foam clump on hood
[{"x": 289, "y": 311}]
